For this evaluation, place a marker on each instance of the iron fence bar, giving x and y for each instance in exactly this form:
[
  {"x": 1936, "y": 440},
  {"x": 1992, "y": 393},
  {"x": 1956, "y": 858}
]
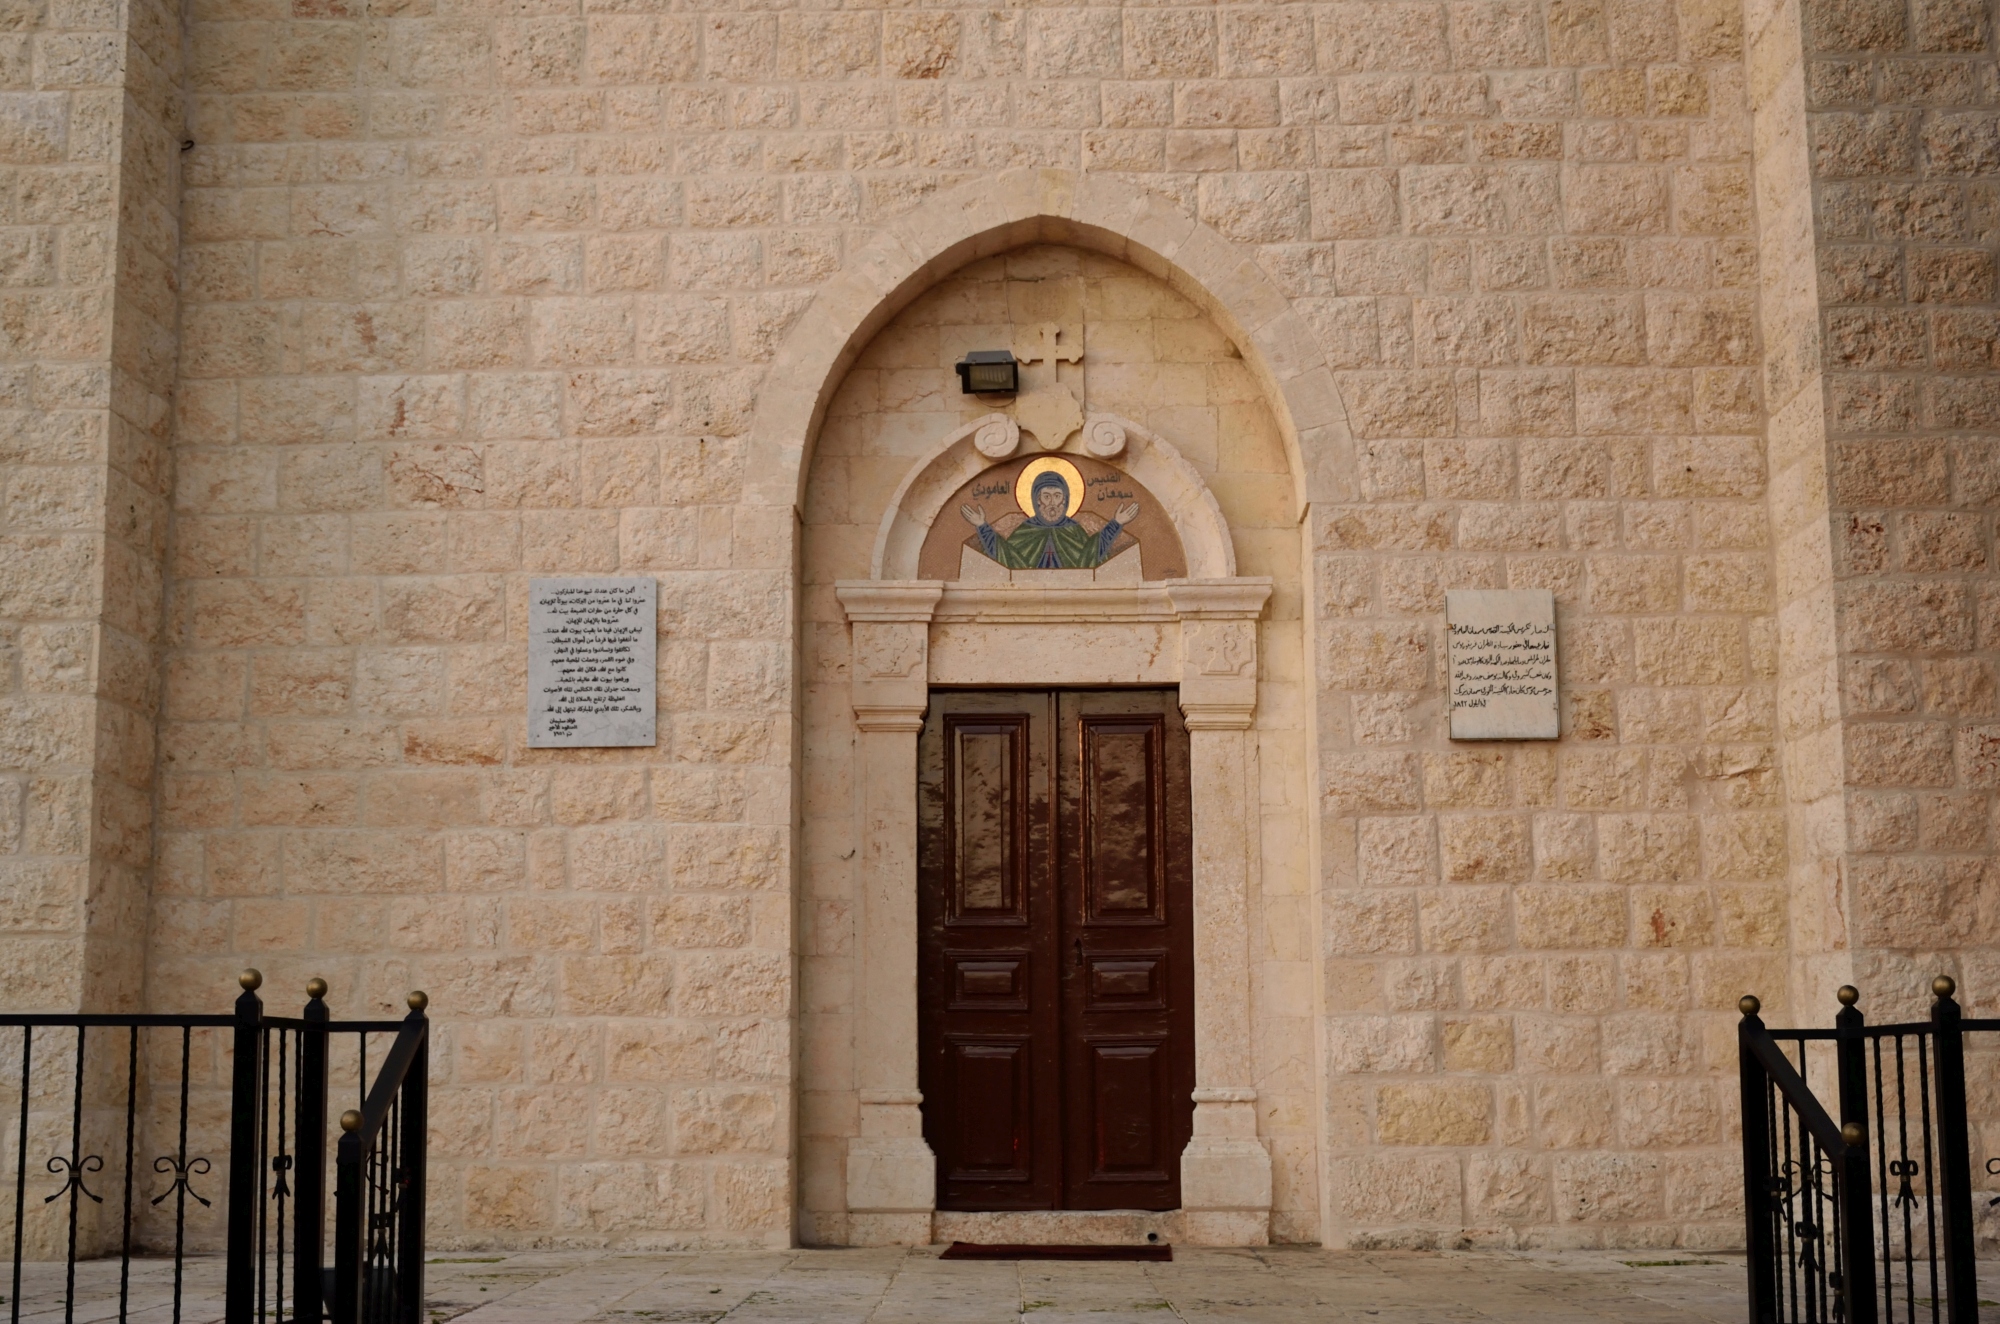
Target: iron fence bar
[
  {"x": 131, "y": 1114},
  {"x": 1931, "y": 1169},
  {"x": 1953, "y": 1177},
  {"x": 415, "y": 1124},
  {"x": 245, "y": 1177},
  {"x": 332, "y": 1026},
  {"x": 396, "y": 1067},
  {"x": 21, "y": 1165},
  {"x": 1857, "y": 1219},
  {"x": 107, "y": 1020},
  {"x": 181, "y": 1170},
  {"x": 1757, "y": 1174},
  {"x": 1789, "y": 1082},
  {"x": 1881, "y": 1130},
  {"x": 348, "y": 1215},
  {"x": 74, "y": 1182},
  {"x": 263, "y": 1161},
  {"x": 1789, "y": 1225},
  {"x": 309, "y": 1161}
]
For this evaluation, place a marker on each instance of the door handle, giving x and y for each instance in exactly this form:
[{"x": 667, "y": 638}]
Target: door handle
[{"x": 1079, "y": 953}]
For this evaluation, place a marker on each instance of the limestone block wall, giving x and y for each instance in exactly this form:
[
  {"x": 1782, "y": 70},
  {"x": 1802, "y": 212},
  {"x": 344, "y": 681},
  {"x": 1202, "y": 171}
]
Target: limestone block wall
[
  {"x": 448, "y": 294},
  {"x": 1543, "y": 288},
  {"x": 472, "y": 295}
]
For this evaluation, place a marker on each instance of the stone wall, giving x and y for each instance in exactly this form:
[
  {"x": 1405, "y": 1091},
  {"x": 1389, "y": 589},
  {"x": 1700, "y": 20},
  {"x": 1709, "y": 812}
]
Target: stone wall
[
  {"x": 1544, "y": 290},
  {"x": 452, "y": 294},
  {"x": 89, "y": 119}
]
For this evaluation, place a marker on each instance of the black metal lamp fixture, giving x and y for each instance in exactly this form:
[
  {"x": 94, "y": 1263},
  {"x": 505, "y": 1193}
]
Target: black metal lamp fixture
[{"x": 989, "y": 372}]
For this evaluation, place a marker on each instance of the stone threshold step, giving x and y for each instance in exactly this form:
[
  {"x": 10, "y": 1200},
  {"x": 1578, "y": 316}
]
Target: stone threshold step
[{"x": 1060, "y": 1227}]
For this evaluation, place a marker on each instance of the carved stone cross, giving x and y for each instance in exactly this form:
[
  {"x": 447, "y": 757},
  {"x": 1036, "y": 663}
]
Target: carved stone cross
[{"x": 1042, "y": 347}]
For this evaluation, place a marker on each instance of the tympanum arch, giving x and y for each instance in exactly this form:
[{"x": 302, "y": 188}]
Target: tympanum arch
[
  {"x": 1009, "y": 210},
  {"x": 1150, "y": 458}
]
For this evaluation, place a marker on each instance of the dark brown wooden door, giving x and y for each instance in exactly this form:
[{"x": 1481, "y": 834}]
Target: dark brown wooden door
[{"x": 1056, "y": 965}]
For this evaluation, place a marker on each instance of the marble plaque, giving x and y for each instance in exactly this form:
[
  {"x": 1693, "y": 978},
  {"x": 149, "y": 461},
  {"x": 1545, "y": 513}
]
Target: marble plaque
[
  {"x": 591, "y": 649},
  {"x": 1501, "y": 646}
]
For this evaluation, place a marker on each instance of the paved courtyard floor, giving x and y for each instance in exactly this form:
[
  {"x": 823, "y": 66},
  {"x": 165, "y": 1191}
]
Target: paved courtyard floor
[{"x": 1289, "y": 1284}]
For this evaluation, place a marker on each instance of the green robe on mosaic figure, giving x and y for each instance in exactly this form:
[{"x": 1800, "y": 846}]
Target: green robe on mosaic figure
[{"x": 1050, "y": 539}]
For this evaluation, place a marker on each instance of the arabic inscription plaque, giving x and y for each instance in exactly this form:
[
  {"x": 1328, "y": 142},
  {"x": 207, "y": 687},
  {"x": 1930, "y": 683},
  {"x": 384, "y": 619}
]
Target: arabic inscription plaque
[
  {"x": 1501, "y": 653},
  {"x": 592, "y": 645}
]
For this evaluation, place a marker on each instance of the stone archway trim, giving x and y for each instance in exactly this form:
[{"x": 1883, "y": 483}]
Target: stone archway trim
[{"x": 1015, "y": 207}]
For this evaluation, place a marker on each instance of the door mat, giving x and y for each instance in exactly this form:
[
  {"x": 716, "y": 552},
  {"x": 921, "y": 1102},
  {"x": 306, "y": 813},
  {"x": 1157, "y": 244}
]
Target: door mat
[{"x": 970, "y": 1250}]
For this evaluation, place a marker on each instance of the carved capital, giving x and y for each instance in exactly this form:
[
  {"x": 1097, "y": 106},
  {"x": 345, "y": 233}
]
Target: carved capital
[
  {"x": 1217, "y": 716},
  {"x": 889, "y": 600},
  {"x": 888, "y": 717},
  {"x": 1220, "y": 599}
]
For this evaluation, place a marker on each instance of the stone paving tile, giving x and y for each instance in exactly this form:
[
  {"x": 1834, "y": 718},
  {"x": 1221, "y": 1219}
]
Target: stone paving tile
[{"x": 1286, "y": 1284}]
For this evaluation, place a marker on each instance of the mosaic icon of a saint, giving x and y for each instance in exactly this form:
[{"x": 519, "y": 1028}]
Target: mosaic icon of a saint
[{"x": 1048, "y": 533}]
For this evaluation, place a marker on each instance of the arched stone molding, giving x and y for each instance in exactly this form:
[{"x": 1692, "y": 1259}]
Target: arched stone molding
[
  {"x": 1023, "y": 206},
  {"x": 1148, "y": 457}
]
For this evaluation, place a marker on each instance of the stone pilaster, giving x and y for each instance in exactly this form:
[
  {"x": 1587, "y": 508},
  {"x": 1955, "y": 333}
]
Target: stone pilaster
[
  {"x": 1225, "y": 1170},
  {"x": 1874, "y": 173},
  {"x": 86, "y": 382},
  {"x": 891, "y": 1172}
]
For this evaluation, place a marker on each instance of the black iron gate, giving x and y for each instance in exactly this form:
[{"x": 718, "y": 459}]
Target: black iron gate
[
  {"x": 1868, "y": 1218},
  {"x": 161, "y": 1095}
]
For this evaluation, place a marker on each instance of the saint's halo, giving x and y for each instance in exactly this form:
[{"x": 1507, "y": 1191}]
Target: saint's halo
[{"x": 1024, "y": 486}]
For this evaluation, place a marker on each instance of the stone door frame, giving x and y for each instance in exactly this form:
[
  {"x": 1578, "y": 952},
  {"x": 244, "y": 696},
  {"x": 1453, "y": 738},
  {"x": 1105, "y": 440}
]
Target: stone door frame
[{"x": 1197, "y": 634}]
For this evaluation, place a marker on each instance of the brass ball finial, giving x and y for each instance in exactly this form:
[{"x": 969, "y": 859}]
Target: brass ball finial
[
  {"x": 350, "y": 1120},
  {"x": 252, "y": 980},
  {"x": 1944, "y": 986},
  {"x": 1848, "y": 995},
  {"x": 1853, "y": 1133},
  {"x": 1749, "y": 1005},
  {"x": 418, "y": 1000},
  {"x": 315, "y": 988}
]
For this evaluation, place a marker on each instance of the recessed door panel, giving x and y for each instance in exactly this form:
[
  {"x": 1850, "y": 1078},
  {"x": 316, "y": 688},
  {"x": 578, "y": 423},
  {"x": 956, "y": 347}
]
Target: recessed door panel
[
  {"x": 987, "y": 772},
  {"x": 994, "y": 1141},
  {"x": 1119, "y": 786},
  {"x": 1127, "y": 1122},
  {"x": 1056, "y": 1027}
]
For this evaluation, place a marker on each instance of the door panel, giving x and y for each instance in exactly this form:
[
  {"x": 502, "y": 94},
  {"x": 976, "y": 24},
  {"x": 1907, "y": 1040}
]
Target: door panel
[
  {"x": 988, "y": 1024},
  {"x": 1056, "y": 1020},
  {"x": 1124, "y": 857}
]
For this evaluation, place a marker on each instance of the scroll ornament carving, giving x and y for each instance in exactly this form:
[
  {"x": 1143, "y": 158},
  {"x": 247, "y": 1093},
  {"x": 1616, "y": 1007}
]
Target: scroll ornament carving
[
  {"x": 1104, "y": 437},
  {"x": 998, "y": 438}
]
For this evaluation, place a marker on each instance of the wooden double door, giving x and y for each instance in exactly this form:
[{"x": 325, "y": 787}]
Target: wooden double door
[{"x": 1056, "y": 961}]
